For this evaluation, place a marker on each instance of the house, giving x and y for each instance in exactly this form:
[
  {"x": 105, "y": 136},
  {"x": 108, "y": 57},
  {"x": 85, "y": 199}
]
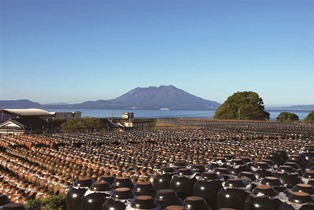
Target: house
[{"x": 20, "y": 121}]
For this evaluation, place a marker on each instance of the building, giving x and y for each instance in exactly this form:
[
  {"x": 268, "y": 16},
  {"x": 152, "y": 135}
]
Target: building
[
  {"x": 67, "y": 115},
  {"x": 127, "y": 115},
  {"x": 20, "y": 121}
]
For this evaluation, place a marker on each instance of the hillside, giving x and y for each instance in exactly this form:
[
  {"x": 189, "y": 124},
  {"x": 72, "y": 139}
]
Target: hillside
[{"x": 18, "y": 104}]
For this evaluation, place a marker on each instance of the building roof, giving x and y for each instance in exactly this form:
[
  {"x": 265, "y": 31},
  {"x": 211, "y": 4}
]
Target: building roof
[
  {"x": 32, "y": 122},
  {"x": 27, "y": 112}
]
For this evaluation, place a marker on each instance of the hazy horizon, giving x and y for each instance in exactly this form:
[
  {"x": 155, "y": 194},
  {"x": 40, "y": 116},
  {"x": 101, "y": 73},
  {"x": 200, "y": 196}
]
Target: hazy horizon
[
  {"x": 74, "y": 51},
  {"x": 65, "y": 103}
]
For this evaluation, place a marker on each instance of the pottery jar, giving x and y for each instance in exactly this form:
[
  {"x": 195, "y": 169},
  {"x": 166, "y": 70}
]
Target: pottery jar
[
  {"x": 119, "y": 200},
  {"x": 287, "y": 175},
  {"x": 275, "y": 183},
  {"x": 75, "y": 193},
  {"x": 236, "y": 166},
  {"x": 122, "y": 182},
  {"x": 207, "y": 187},
  {"x": 263, "y": 197},
  {"x": 182, "y": 183},
  {"x": 233, "y": 194},
  {"x": 143, "y": 202},
  {"x": 163, "y": 178},
  {"x": 144, "y": 188},
  {"x": 195, "y": 203},
  {"x": 297, "y": 200},
  {"x": 308, "y": 177},
  {"x": 167, "y": 197}
]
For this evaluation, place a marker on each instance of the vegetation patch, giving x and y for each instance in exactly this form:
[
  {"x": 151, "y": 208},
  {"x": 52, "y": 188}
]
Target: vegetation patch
[
  {"x": 89, "y": 124},
  {"x": 57, "y": 202},
  {"x": 309, "y": 118}
]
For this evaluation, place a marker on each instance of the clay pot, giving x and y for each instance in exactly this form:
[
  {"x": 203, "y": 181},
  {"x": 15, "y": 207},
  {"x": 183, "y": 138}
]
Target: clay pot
[
  {"x": 122, "y": 182},
  {"x": 304, "y": 188},
  {"x": 308, "y": 177},
  {"x": 162, "y": 179},
  {"x": 263, "y": 197},
  {"x": 236, "y": 166},
  {"x": 167, "y": 197},
  {"x": 274, "y": 182},
  {"x": 199, "y": 169},
  {"x": 109, "y": 179},
  {"x": 195, "y": 203},
  {"x": 75, "y": 193},
  {"x": 93, "y": 201},
  {"x": 287, "y": 175},
  {"x": 122, "y": 193},
  {"x": 174, "y": 207},
  {"x": 182, "y": 185},
  {"x": 223, "y": 172},
  {"x": 276, "y": 158},
  {"x": 144, "y": 188},
  {"x": 297, "y": 199},
  {"x": 144, "y": 202},
  {"x": 299, "y": 159},
  {"x": 112, "y": 204},
  {"x": 232, "y": 194},
  {"x": 207, "y": 187}
]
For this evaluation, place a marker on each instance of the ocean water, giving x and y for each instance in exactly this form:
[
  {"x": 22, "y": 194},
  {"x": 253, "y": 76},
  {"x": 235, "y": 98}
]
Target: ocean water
[{"x": 108, "y": 113}]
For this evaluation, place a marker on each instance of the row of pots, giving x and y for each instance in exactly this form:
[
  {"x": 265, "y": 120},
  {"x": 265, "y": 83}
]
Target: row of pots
[
  {"x": 141, "y": 154},
  {"x": 209, "y": 191}
]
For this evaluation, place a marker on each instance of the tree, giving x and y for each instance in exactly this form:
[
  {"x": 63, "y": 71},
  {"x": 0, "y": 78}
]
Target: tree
[
  {"x": 245, "y": 105},
  {"x": 309, "y": 118},
  {"x": 287, "y": 117},
  {"x": 82, "y": 124}
]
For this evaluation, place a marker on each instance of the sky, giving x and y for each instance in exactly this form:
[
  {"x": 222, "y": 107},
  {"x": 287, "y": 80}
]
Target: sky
[{"x": 78, "y": 50}]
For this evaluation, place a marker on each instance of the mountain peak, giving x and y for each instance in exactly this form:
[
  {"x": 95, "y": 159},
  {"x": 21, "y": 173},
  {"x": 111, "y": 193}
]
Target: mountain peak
[{"x": 160, "y": 97}]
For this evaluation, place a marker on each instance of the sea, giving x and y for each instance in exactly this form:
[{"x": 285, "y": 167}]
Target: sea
[{"x": 139, "y": 113}]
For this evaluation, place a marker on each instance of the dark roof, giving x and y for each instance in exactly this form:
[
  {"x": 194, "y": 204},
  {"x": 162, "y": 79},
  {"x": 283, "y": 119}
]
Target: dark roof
[{"x": 32, "y": 122}]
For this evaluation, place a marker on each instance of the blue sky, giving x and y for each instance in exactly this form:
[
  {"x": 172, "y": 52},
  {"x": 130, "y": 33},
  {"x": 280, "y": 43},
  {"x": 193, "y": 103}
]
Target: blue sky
[{"x": 74, "y": 51}]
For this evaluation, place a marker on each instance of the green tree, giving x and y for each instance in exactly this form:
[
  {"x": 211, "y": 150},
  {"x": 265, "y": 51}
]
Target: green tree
[
  {"x": 309, "y": 118},
  {"x": 287, "y": 117},
  {"x": 82, "y": 125},
  {"x": 245, "y": 105}
]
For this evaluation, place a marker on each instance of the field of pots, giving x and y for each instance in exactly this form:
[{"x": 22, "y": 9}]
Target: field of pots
[{"x": 223, "y": 164}]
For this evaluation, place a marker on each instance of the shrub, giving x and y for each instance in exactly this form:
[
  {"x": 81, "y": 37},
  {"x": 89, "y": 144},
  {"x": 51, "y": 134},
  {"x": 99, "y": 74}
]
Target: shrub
[
  {"x": 287, "y": 117},
  {"x": 309, "y": 118},
  {"x": 57, "y": 202}
]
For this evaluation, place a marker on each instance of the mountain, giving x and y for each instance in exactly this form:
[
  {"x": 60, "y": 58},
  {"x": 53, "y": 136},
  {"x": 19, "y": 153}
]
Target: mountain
[
  {"x": 168, "y": 97},
  {"x": 153, "y": 98},
  {"x": 18, "y": 104},
  {"x": 293, "y": 108}
]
